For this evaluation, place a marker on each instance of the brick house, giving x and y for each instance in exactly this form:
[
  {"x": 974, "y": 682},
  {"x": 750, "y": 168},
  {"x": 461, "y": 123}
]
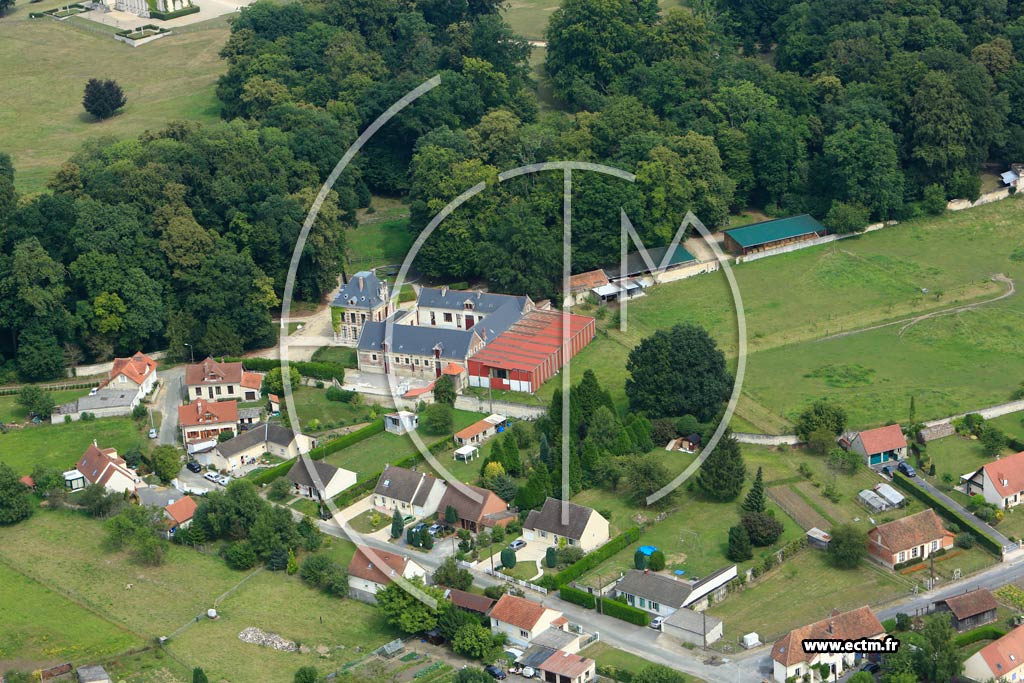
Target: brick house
[
  {"x": 790, "y": 662},
  {"x": 477, "y": 508},
  {"x": 915, "y": 537}
]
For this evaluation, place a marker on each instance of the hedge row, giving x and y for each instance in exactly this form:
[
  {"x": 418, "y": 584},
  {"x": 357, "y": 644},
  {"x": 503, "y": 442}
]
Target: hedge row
[
  {"x": 156, "y": 14},
  {"x": 268, "y": 475},
  {"x": 577, "y": 597},
  {"x": 592, "y": 559},
  {"x": 988, "y": 632},
  {"x": 323, "y": 370},
  {"x": 948, "y": 513},
  {"x": 619, "y": 610},
  {"x": 352, "y": 494},
  {"x": 350, "y": 439}
]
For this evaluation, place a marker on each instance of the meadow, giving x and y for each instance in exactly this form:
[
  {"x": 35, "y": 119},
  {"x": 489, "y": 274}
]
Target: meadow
[
  {"x": 46, "y": 66},
  {"x": 73, "y": 576},
  {"x": 61, "y": 445},
  {"x": 792, "y": 302}
]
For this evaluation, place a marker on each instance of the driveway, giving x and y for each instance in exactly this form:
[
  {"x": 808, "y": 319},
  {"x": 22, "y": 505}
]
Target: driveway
[
  {"x": 167, "y": 403},
  {"x": 190, "y": 482},
  {"x": 1007, "y": 544}
]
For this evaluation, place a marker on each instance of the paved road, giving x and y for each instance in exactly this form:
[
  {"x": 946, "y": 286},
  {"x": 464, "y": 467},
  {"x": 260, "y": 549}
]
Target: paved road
[
  {"x": 1007, "y": 544},
  {"x": 168, "y": 402}
]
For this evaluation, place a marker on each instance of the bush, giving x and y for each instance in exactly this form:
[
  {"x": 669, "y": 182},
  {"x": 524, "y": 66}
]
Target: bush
[
  {"x": 508, "y": 558},
  {"x": 577, "y": 597},
  {"x": 964, "y": 539},
  {"x": 657, "y": 561},
  {"x": 625, "y": 612},
  {"x": 164, "y": 16},
  {"x": 279, "y": 489},
  {"x": 340, "y": 395},
  {"x": 240, "y": 555},
  {"x": 551, "y": 557},
  {"x": 987, "y": 632},
  {"x": 591, "y": 560}
]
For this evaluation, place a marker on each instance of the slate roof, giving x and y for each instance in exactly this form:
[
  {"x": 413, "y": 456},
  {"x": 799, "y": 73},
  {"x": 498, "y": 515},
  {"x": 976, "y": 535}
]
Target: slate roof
[
  {"x": 775, "y": 230},
  {"x": 535, "y": 655},
  {"x": 555, "y": 638},
  {"x": 158, "y": 496},
  {"x": 363, "y": 567},
  {"x": 299, "y": 473},
  {"x": 655, "y": 587},
  {"x": 852, "y": 625},
  {"x": 404, "y": 485},
  {"x": 210, "y": 371},
  {"x": 1005, "y": 654},
  {"x": 908, "y": 532},
  {"x": 108, "y": 397},
  {"x": 483, "y": 302},
  {"x": 417, "y": 340},
  {"x": 1009, "y": 469},
  {"x": 268, "y": 432},
  {"x": 519, "y": 612},
  {"x": 694, "y": 622},
  {"x": 883, "y": 439},
  {"x": 636, "y": 265},
  {"x": 549, "y": 518},
  {"x": 971, "y": 603},
  {"x": 92, "y": 674},
  {"x": 363, "y": 290}
]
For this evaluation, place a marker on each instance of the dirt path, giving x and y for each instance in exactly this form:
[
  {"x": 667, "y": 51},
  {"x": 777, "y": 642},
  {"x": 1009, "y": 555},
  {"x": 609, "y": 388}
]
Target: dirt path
[{"x": 913, "y": 320}]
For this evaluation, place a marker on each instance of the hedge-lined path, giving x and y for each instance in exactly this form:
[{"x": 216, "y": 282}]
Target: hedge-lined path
[{"x": 1008, "y": 545}]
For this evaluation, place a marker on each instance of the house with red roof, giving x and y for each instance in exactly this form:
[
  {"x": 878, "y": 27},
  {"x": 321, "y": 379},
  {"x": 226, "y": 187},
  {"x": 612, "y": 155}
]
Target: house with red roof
[
  {"x": 372, "y": 570},
  {"x": 915, "y": 537},
  {"x": 215, "y": 381},
  {"x": 478, "y": 432},
  {"x": 179, "y": 514},
  {"x": 105, "y": 467},
  {"x": 521, "y": 620},
  {"x": 880, "y": 446},
  {"x": 790, "y": 662},
  {"x": 203, "y": 420},
  {"x": 1001, "y": 481},
  {"x": 137, "y": 372},
  {"x": 566, "y": 667},
  {"x": 1000, "y": 661}
]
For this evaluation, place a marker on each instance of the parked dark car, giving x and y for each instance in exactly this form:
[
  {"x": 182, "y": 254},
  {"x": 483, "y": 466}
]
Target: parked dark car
[
  {"x": 871, "y": 667},
  {"x": 887, "y": 471},
  {"x": 193, "y": 466},
  {"x": 495, "y": 672},
  {"x": 906, "y": 469}
]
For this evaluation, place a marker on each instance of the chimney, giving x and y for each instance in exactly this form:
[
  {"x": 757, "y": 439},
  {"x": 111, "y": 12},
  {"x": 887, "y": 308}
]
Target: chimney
[
  {"x": 444, "y": 290},
  {"x": 647, "y": 571},
  {"x": 831, "y": 627},
  {"x": 94, "y": 443},
  {"x": 360, "y": 284}
]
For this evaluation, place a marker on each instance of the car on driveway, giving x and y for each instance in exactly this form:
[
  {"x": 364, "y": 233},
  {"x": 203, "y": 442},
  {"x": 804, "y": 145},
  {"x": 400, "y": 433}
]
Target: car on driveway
[
  {"x": 887, "y": 471},
  {"x": 434, "y": 529},
  {"x": 419, "y": 527},
  {"x": 906, "y": 469},
  {"x": 211, "y": 476},
  {"x": 656, "y": 623},
  {"x": 495, "y": 673},
  {"x": 224, "y": 480},
  {"x": 517, "y": 544},
  {"x": 871, "y": 668},
  {"x": 193, "y": 466},
  {"x": 152, "y": 433}
]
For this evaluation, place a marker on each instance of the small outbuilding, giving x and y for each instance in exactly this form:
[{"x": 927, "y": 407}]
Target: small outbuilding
[
  {"x": 689, "y": 626},
  {"x": 92, "y": 674},
  {"x": 969, "y": 610},
  {"x": 401, "y": 422},
  {"x": 816, "y": 538},
  {"x": 872, "y": 501},
  {"x": 890, "y": 495}
]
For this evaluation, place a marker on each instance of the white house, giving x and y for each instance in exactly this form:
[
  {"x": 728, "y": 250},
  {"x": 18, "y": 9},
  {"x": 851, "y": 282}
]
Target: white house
[
  {"x": 412, "y": 493},
  {"x": 879, "y": 446},
  {"x": 1001, "y": 661},
  {"x": 662, "y": 595},
  {"x": 249, "y": 446},
  {"x": 105, "y": 467},
  {"x": 1001, "y": 481},
  {"x": 581, "y": 526},
  {"x": 332, "y": 480},
  {"x": 372, "y": 570},
  {"x": 790, "y": 661},
  {"x": 401, "y": 422},
  {"x": 478, "y": 432},
  {"x": 521, "y": 620}
]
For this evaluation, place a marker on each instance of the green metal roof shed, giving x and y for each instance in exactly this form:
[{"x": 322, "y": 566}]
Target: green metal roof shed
[{"x": 751, "y": 236}]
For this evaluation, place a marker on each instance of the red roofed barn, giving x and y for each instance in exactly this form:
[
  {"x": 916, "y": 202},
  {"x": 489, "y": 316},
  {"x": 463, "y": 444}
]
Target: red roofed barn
[
  {"x": 880, "y": 446},
  {"x": 528, "y": 353}
]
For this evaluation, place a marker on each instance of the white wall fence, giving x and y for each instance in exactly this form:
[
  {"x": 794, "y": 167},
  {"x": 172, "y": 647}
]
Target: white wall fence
[{"x": 519, "y": 582}]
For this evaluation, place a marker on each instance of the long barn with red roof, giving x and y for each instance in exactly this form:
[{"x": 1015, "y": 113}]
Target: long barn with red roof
[{"x": 530, "y": 352}]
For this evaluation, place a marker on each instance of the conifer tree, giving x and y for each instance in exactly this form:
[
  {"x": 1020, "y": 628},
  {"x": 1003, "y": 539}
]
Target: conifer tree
[
  {"x": 755, "y": 500},
  {"x": 739, "y": 545},
  {"x": 722, "y": 474}
]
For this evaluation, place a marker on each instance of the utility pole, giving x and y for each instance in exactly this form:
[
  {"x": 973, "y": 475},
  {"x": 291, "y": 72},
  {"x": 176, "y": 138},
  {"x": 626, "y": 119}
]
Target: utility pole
[{"x": 191, "y": 354}]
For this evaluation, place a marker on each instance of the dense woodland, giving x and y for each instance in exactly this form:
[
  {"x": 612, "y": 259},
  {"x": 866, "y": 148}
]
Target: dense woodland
[{"x": 849, "y": 111}]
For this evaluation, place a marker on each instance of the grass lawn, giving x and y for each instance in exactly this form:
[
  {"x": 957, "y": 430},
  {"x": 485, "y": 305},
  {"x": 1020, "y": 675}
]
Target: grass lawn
[
  {"x": 607, "y": 656},
  {"x": 61, "y": 445},
  {"x": 792, "y": 301},
  {"x": 364, "y": 522},
  {"x": 306, "y": 506},
  {"x": 801, "y": 591},
  {"x": 47, "y": 64},
  {"x": 378, "y": 244},
  {"x": 153, "y": 666},
  {"x": 336, "y": 354},
  {"x": 10, "y": 411},
  {"x": 42, "y": 626},
  {"x": 1012, "y": 425},
  {"x": 63, "y": 552},
  {"x": 312, "y": 404},
  {"x": 369, "y": 457},
  {"x": 956, "y": 456}
]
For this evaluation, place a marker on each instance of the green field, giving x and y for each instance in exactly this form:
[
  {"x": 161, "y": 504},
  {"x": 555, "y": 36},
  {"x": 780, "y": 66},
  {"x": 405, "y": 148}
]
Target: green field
[
  {"x": 42, "y": 626},
  {"x": 1012, "y": 425},
  {"x": 949, "y": 364},
  {"x": 61, "y": 445},
  {"x": 10, "y": 411},
  {"x": 312, "y": 404},
  {"x": 47, "y": 64},
  {"x": 378, "y": 244},
  {"x": 336, "y": 354},
  {"x": 369, "y": 457},
  {"x": 63, "y": 552}
]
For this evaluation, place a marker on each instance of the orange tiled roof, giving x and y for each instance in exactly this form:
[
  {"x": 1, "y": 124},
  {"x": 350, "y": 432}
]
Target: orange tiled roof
[
  {"x": 914, "y": 530},
  {"x": 858, "y": 623},
  {"x": 883, "y": 439},
  {"x": 1009, "y": 470},
  {"x": 137, "y": 368},
  {"x": 252, "y": 380},
  {"x": 363, "y": 567},
  {"x": 519, "y": 612},
  {"x": 182, "y": 510},
  {"x": 201, "y": 412}
]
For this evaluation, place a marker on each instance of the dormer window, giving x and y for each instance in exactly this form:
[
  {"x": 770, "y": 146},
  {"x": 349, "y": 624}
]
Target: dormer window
[{"x": 468, "y": 305}]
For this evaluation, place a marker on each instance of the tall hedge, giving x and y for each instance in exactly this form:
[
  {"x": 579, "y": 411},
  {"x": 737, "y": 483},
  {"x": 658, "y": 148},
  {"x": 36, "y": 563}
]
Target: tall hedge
[
  {"x": 948, "y": 513},
  {"x": 619, "y": 610},
  {"x": 577, "y": 597},
  {"x": 324, "y": 370},
  {"x": 987, "y": 632},
  {"x": 592, "y": 559}
]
